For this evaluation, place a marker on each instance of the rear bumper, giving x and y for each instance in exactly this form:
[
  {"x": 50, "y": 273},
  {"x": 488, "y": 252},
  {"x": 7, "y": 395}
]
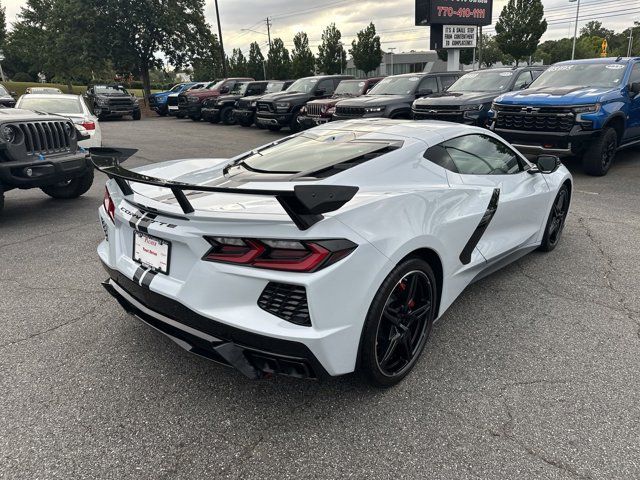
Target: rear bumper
[
  {"x": 255, "y": 356},
  {"x": 569, "y": 143},
  {"x": 43, "y": 172}
]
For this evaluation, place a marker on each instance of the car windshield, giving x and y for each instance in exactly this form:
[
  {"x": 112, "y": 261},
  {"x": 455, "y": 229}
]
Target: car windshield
[
  {"x": 3, "y": 91},
  {"x": 110, "y": 90},
  {"x": 483, "y": 81},
  {"x": 274, "y": 87},
  {"x": 176, "y": 88},
  {"x": 581, "y": 74},
  {"x": 215, "y": 85},
  {"x": 51, "y": 104},
  {"x": 239, "y": 88},
  {"x": 303, "y": 85},
  {"x": 349, "y": 88},
  {"x": 311, "y": 152},
  {"x": 396, "y": 86}
]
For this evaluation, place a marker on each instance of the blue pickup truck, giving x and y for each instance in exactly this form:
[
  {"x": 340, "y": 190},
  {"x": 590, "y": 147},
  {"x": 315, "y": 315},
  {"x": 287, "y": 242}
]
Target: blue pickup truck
[
  {"x": 587, "y": 108},
  {"x": 158, "y": 101}
]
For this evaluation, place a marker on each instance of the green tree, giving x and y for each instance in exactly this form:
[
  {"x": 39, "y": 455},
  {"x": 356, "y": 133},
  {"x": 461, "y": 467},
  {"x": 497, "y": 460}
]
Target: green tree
[
  {"x": 207, "y": 64},
  {"x": 238, "y": 64},
  {"x": 278, "y": 60},
  {"x": 302, "y": 60},
  {"x": 491, "y": 53},
  {"x": 3, "y": 26},
  {"x": 331, "y": 55},
  {"x": 140, "y": 29},
  {"x": 594, "y": 28},
  {"x": 519, "y": 28},
  {"x": 255, "y": 64},
  {"x": 366, "y": 50}
]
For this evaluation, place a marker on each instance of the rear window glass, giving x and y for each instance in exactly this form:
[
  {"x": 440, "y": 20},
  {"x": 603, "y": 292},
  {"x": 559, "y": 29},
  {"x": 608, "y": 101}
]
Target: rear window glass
[
  {"x": 51, "y": 105},
  {"x": 311, "y": 152}
]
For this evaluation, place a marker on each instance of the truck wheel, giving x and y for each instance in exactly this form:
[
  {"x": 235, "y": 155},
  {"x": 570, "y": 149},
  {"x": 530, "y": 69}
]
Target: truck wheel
[
  {"x": 137, "y": 115},
  {"x": 599, "y": 155},
  {"x": 180, "y": 115},
  {"x": 274, "y": 128},
  {"x": 163, "y": 112},
  {"x": 214, "y": 120},
  {"x": 196, "y": 119},
  {"x": 294, "y": 126},
  {"x": 72, "y": 188},
  {"x": 226, "y": 115},
  {"x": 246, "y": 123}
]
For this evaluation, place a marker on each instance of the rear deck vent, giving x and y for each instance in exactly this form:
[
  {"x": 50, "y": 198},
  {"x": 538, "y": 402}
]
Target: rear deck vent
[{"x": 285, "y": 301}]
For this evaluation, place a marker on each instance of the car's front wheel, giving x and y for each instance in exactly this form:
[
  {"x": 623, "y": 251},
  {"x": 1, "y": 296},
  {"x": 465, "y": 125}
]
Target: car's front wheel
[
  {"x": 555, "y": 223},
  {"x": 71, "y": 188},
  {"x": 398, "y": 323},
  {"x": 137, "y": 115},
  {"x": 600, "y": 153},
  {"x": 226, "y": 116}
]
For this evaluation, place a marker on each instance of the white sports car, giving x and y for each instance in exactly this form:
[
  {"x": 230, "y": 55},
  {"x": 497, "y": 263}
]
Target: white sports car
[{"x": 326, "y": 252}]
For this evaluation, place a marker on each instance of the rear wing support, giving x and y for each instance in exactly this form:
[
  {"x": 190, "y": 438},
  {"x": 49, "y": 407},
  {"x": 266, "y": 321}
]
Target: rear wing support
[{"x": 305, "y": 204}]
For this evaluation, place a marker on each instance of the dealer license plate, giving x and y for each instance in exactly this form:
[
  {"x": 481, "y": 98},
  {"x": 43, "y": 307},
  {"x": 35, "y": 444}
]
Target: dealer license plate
[{"x": 151, "y": 252}]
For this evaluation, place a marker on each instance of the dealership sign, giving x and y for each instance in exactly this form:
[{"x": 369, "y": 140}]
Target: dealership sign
[
  {"x": 459, "y": 12},
  {"x": 458, "y": 36}
]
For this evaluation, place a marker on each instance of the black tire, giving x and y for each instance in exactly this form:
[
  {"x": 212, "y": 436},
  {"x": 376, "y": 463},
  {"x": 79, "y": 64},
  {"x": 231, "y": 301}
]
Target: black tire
[
  {"x": 393, "y": 324},
  {"x": 137, "y": 115},
  {"x": 226, "y": 116},
  {"x": 245, "y": 124},
  {"x": 274, "y": 128},
  {"x": 196, "y": 119},
  {"x": 294, "y": 126},
  {"x": 163, "y": 112},
  {"x": 600, "y": 154},
  {"x": 214, "y": 120},
  {"x": 555, "y": 222},
  {"x": 180, "y": 115},
  {"x": 71, "y": 189}
]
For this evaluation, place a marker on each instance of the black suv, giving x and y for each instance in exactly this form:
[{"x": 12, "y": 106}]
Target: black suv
[
  {"x": 221, "y": 109},
  {"x": 278, "y": 110},
  {"x": 112, "y": 101},
  {"x": 393, "y": 96},
  {"x": 245, "y": 111},
  {"x": 39, "y": 150},
  {"x": 469, "y": 99}
]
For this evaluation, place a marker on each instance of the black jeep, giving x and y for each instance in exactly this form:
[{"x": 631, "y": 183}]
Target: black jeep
[
  {"x": 39, "y": 150},
  {"x": 278, "y": 110},
  {"x": 112, "y": 101},
  {"x": 245, "y": 111},
  {"x": 221, "y": 109}
]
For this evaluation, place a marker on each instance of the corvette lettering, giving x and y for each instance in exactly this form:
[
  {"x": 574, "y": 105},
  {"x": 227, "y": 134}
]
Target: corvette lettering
[{"x": 135, "y": 217}]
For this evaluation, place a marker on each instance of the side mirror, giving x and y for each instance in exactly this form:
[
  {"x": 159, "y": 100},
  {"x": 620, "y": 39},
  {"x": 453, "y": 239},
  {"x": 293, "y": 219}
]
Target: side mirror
[
  {"x": 424, "y": 92},
  {"x": 224, "y": 89},
  {"x": 547, "y": 163},
  {"x": 319, "y": 92},
  {"x": 635, "y": 88}
]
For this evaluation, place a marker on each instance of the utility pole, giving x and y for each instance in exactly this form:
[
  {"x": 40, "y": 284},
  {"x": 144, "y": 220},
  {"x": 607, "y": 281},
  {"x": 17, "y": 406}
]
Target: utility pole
[
  {"x": 630, "y": 41},
  {"x": 391, "y": 49},
  {"x": 224, "y": 58},
  {"x": 575, "y": 30},
  {"x": 480, "y": 49},
  {"x": 269, "y": 38}
]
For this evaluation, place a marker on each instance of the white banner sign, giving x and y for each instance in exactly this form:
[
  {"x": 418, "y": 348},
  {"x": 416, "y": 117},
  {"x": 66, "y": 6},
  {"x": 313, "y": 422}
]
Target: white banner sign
[{"x": 458, "y": 36}]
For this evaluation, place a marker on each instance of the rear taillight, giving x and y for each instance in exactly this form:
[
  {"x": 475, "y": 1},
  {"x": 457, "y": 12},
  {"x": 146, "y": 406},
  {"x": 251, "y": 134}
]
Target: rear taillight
[
  {"x": 288, "y": 255},
  {"x": 89, "y": 125},
  {"x": 109, "y": 206}
]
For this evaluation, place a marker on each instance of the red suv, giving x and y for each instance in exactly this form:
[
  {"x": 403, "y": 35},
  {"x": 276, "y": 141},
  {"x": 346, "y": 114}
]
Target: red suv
[
  {"x": 320, "y": 111},
  {"x": 190, "y": 103}
]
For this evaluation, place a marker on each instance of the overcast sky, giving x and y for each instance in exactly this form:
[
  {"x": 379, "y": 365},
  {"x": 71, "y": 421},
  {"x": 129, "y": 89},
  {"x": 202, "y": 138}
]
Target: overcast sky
[{"x": 394, "y": 19}]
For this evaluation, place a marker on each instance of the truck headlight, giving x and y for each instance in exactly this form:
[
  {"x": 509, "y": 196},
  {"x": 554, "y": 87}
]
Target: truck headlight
[
  {"x": 254, "y": 104},
  {"x": 374, "y": 109},
  {"x": 9, "y": 134},
  {"x": 282, "y": 107},
  {"x": 587, "y": 108}
]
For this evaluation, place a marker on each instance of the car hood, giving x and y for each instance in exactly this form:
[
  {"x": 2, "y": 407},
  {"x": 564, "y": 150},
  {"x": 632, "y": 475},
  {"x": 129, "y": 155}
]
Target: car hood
[
  {"x": 228, "y": 98},
  {"x": 331, "y": 101},
  {"x": 570, "y": 95},
  {"x": 457, "y": 98},
  {"x": 285, "y": 97},
  {"x": 160, "y": 94},
  {"x": 381, "y": 100},
  {"x": 202, "y": 93}
]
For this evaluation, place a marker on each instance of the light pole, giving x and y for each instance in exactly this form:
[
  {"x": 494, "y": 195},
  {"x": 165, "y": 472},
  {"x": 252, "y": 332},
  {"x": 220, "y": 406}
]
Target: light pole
[
  {"x": 392, "y": 49},
  {"x": 224, "y": 59},
  {"x": 630, "y": 41},
  {"x": 575, "y": 29}
]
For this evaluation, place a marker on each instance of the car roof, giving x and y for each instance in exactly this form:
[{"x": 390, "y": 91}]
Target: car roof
[
  {"x": 599, "y": 60},
  {"x": 53, "y": 95}
]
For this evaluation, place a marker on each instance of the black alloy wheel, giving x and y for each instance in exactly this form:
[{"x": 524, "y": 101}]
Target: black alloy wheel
[
  {"x": 226, "y": 116},
  {"x": 399, "y": 323},
  {"x": 556, "y": 221}
]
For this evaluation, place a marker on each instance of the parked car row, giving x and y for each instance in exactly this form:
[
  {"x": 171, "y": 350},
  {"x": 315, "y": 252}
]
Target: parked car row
[{"x": 587, "y": 108}]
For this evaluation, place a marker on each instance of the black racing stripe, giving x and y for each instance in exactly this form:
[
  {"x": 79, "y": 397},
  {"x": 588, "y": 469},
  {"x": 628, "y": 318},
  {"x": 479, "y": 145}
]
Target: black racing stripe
[
  {"x": 143, "y": 225},
  {"x": 138, "y": 275},
  {"x": 146, "y": 281},
  {"x": 465, "y": 256}
]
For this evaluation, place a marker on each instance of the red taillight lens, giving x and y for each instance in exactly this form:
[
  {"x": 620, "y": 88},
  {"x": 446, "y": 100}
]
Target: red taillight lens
[
  {"x": 89, "y": 125},
  {"x": 287, "y": 255},
  {"x": 109, "y": 206}
]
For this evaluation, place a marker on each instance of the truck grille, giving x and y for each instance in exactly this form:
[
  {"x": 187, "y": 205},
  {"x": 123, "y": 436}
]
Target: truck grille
[
  {"x": 442, "y": 115},
  {"x": 244, "y": 104},
  {"x": 437, "y": 108},
  {"x": 350, "y": 111},
  {"x": 288, "y": 302},
  {"x": 538, "y": 119},
  {"x": 120, "y": 103},
  {"x": 44, "y": 137},
  {"x": 264, "y": 107},
  {"x": 314, "y": 110}
]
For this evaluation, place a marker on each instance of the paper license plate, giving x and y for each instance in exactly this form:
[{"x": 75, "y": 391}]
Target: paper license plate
[{"x": 151, "y": 252}]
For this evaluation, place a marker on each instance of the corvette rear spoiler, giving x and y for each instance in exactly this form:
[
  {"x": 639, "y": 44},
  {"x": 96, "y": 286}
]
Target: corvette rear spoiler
[{"x": 305, "y": 204}]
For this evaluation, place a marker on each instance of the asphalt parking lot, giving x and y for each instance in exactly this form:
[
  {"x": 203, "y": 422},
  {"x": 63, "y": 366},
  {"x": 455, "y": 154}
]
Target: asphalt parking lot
[{"x": 533, "y": 373}]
